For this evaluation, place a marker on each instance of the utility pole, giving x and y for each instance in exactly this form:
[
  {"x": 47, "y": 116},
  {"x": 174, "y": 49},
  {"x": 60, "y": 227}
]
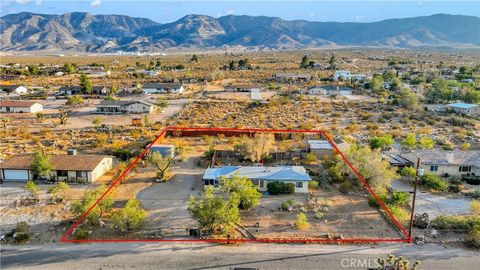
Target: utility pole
[{"x": 415, "y": 183}]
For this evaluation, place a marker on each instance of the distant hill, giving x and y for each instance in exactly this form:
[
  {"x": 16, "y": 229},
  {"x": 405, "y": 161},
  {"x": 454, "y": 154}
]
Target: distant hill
[{"x": 84, "y": 32}]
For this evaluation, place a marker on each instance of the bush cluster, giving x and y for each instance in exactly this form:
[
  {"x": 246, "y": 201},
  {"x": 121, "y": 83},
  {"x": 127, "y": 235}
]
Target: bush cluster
[
  {"x": 433, "y": 182},
  {"x": 276, "y": 188}
]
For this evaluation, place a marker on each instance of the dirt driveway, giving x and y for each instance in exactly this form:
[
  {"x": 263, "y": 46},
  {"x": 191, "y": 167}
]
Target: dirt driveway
[{"x": 167, "y": 202}]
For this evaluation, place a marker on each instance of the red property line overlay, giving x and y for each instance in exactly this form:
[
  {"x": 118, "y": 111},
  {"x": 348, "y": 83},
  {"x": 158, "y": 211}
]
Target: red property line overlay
[{"x": 407, "y": 238}]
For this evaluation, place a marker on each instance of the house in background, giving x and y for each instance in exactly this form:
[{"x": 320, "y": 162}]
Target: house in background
[
  {"x": 329, "y": 90},
  {"x": 261, "y": 176},
  {"x": 13, "y": 106},
  {"x": 242, "y": 87},
  {"x": 71, "y": 167},
  {"x": 346, "y": 75},
  {"x": 156, "y": 88},
  {"x": 77, "y": 90},
  {"x": 13, "y": 89},
  {"x": 464, "y": 108},
  {"x": 127, "y": 106},
  {"x": 446, "y": 163}
]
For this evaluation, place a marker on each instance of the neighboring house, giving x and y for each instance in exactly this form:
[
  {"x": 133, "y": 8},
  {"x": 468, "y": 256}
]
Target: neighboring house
[
  {"x": 321, "y": 148},
  {"x": 166, "y": 150},
  {"x": 95, "y": 71},
  {"x": 77, "y": 90},
  {"x": 261, "y": 176},
  {"x": 155, "y": 88},
  {"x": 13, "y": 106},
  {"x": 256, "y": 95},
  {"x": 345, "y": 74},
  {"x": 65, "y": 168},
  {"x": 13, "y": 89},
  {"x": 464, "y": 108},
  {"x": 330, "y": 90},
  {"x": 446, "y": 163},
  {"x": 292, "y": 77},
  {"x": 127, "y": 106},
  {"x": 241, "y": 87}
]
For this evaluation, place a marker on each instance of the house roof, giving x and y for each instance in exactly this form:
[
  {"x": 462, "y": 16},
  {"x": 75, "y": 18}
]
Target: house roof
[
  {"x": 462, "y": 105},
  {"x": 14, "y": 103},
  {"x": 242, "y": 85},
  {"x": 9, "y": 86},
  {"x": 319, "y": 144},
  {"x": 442, "y": 157},
  {"x": 59, "y": 162},
  {"x": 332, "y": 88},
  {"x": 162, "y": 85},
  {"x": 281, "y": 173}
]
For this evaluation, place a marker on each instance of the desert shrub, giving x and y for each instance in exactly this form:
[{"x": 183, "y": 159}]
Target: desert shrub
[
  {"x": 475, "y": 207},
  {"x": 22, "y": 232},
  {"x": 455, "y": 186},
  {"x": 75, "y": 100},
  {"x": 81, "y": 233},
  {"x": 408, "y": 172},
  {"x": 398, "y": 198},
  {"x": 475, "y": 194},
  {"x": 400, "y": 213},
  {"x": 319, "y": 215},
  {"x": 346, "y": 187},
  {"x": 433, "y": 182},
  {"x": 473, "y": 238},
  {"x": 301, "y": 222},
  {"x": 372, "y": 201},
  {"x": 310, "y": 158},
  {"x": 313, "y": 184},
  {"x": 472, "y": 180},
  {"x": 456, "y": 222}
]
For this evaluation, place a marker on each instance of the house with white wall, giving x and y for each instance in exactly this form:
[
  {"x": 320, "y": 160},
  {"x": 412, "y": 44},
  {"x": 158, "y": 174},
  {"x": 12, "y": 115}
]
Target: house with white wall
[
  {"x": 16, "y": 106},
  {"x": 159, "y": 88},
  {"x": 261, "y": 176}
]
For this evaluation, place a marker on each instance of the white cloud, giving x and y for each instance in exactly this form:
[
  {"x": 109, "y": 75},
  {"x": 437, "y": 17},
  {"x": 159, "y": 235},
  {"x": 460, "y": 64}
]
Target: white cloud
[
  {"x": 38, "y": 2},
  {"x": 95, "y": 3}
]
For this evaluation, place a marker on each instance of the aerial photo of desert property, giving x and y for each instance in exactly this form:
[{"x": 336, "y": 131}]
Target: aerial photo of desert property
[{"x": 239, "y": 135}]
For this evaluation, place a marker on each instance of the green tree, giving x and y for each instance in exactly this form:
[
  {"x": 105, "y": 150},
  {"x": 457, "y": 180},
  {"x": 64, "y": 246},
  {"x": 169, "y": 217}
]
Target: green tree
[
  {"x": 162, "y": 164},
  {"x": 85, "y": 84},
  {"x": 75, "y": 100},
  {"x": 5, "y": 121},
  {"x": 410, "y": 141},
  {"x": 382, "y": 142},
  {"x": 68, "y": 68},
  {"x": 40, "y": 117},
  {"x": 426, "y": 143},
  {"x": 58, "y": 191},
  {"x": 32, "y": 188},
  {"x": 305, "y": 62},
  {"x": 33, "y": 70},
  {"x": 310, "y": 158},
  {"x": 408, "y": 100},
  {"x": 370, "y": 165},
  {"x": 104, "y": 206},
  {"x": 377, "y": 84},
  {"x": 242, "y": 187},
  {"x": 130, "y": 217},
  {"x": 409, "y": 172},
  {"x": 332, "y": 60},
  {"x": 214, "y": 213},
  {"x": 41, "y": 165}
]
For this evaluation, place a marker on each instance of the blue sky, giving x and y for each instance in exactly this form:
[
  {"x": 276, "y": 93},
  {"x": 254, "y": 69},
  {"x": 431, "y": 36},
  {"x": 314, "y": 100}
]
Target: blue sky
[{"x": 167, "y": 11}]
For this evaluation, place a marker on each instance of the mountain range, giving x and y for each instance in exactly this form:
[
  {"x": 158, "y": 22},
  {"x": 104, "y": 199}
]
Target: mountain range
[{"x": 84, "y": 32}]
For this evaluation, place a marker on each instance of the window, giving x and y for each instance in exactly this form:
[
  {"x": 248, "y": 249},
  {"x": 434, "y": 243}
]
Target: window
[
  {"x": 262, "y": 183},
  {"x": 62, "y": 173},
  {"x": 434, "y": 168},
  {"x": 299, "y": 184},
  {"x": 465, "y": 169}
]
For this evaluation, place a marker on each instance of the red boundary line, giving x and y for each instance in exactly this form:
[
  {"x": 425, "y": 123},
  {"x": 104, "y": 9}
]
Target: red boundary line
[{"x": 408, "y": 239}]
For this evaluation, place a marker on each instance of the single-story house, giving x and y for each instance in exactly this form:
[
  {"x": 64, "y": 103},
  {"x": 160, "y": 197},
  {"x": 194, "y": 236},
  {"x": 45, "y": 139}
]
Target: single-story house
[
  {"x": 261, "y": 176},
  {"x": 241, "y": 87},
  {"x": 256, "y": 95},
  {"x": 446, "y": 163},
  {"x": 464, "y": 108},
  {"x": 125, "y": 106},
  {"x": 77, "y": 90},
  {"x": 345, "y": 74},
  {"x": 155, "y": 88},
  {"x": 13, "y": 89},
  {"x": 65, "y": 167},
  {"x": 13, "y": 106},
  {"x": 330, "y": 90},
  {"x": 320, "y": 148},
  {"x": 166, "y": 150}
]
